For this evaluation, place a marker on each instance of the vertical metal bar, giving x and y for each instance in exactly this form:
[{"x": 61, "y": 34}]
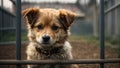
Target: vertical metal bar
[
  {"x": 102, "y": 32},
  {"x": 2, "y": 19},
  {"x": 18, "y": 31}
]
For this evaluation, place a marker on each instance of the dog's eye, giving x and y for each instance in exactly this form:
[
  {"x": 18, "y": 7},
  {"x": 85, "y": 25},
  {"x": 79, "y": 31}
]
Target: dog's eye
[
  {"x": 40, "y": 27},
  {"x": 54, "y": 27}
]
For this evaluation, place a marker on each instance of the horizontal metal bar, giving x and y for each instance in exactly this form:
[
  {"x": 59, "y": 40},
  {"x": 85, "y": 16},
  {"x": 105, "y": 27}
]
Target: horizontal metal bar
[
  {"x": 112, "y": 8},
  {"x": 77, "y": 61},
  {"x": 7, "y": 28},
  {"x": 7, "y": 43}
]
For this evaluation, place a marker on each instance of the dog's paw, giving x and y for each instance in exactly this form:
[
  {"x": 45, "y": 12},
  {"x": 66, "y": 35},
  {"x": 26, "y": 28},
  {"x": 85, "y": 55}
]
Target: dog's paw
[{"x": 75, "y": 66}]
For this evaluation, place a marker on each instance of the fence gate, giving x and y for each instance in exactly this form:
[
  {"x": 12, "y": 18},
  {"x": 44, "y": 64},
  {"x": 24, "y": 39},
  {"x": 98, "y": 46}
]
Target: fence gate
[{"x": 20, "y": 62}]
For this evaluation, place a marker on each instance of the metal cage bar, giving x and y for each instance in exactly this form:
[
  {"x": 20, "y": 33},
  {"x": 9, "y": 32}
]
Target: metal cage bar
[
  {"x": 77, "y": 61},
  {"x": 102, "y": 47},
  {"x": 112, "y": 8},
  {"x": 18, "y": 31}
]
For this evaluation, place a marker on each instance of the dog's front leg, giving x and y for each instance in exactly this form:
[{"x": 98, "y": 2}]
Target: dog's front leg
[{"x": 31, "y": 66}]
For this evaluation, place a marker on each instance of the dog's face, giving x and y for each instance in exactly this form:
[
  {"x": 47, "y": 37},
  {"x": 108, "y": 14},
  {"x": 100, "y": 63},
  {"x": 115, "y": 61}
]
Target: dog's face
[{"x": 48, "y": 26}]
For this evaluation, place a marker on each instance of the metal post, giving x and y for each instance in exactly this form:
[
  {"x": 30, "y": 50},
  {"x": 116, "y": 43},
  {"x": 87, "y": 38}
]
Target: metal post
[
  {"x": 18, "y": 31},
  {"x": 102, "y": 32},
  {"x": 2, "y": 19}
]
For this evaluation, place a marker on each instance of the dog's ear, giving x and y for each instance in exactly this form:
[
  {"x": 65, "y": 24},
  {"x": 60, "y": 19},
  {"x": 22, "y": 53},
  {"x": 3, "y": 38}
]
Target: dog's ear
[
  {"x": 67, "y": 16},
  {"x": 31, "y": 14}
]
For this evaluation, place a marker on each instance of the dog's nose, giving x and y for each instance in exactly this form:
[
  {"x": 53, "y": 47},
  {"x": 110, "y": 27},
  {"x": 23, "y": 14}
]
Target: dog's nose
[{"x": 46, "y": 38}]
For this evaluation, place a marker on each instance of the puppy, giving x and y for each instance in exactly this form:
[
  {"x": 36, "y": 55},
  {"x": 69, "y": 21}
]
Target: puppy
[{"x": 48, "y": 31}]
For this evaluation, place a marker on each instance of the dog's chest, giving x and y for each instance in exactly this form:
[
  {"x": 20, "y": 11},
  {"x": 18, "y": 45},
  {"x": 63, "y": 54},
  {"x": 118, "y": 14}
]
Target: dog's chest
[{"x": 55, "y": 53}]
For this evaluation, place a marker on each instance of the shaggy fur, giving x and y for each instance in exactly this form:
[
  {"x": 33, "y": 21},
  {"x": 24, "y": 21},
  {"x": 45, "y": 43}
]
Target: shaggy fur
[{"x": 53, "y": 24}]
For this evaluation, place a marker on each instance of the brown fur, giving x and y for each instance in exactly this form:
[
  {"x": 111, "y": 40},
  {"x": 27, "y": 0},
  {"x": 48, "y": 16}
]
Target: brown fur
[{"x": 54, "y": 23}]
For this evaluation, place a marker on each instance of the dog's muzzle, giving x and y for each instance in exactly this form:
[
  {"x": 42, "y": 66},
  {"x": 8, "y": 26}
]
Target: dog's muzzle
[{"x": 45, "y": 39}]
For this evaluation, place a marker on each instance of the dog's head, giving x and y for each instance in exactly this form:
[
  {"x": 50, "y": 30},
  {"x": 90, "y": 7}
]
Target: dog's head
[{"x": 48, "y": 26}]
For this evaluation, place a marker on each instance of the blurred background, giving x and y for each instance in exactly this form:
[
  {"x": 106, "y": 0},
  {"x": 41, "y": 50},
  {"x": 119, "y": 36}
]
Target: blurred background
[{"x": 84, "y": 32}]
